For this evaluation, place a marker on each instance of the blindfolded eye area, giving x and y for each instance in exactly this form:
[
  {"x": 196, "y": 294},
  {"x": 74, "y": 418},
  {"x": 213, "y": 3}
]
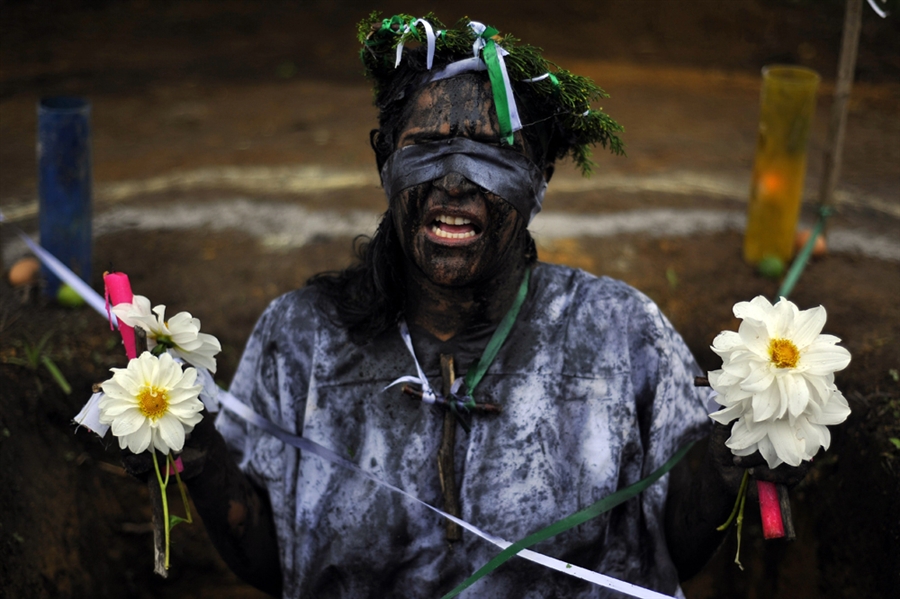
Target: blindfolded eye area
[{"x": 501, "y": 171}]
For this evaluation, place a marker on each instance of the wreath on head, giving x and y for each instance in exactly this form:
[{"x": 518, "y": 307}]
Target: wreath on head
[{"x": 515, "y": 70}]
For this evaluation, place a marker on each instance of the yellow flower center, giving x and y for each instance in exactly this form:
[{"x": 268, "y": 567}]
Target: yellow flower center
[
  {"x": 153, "y": 401},
  {"x": 783, "y": 353}
]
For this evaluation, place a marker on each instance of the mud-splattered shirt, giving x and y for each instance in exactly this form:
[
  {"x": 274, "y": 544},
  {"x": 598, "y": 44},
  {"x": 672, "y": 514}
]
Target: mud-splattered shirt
[{"x": 597, "y": 392}]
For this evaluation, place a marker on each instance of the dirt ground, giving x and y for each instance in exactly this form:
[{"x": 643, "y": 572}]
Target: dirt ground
[{"x": 181, "y": 85}]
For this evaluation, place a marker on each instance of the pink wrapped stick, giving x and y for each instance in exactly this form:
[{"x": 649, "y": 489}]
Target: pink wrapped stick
[
  {"x": 770, "y": 510},
  {"x": 118, "y": 291}
]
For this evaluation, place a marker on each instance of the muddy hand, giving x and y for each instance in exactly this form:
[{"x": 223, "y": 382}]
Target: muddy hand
[
  {"x": 789, "y": 476},
  {"x": 731, "y": 468},
  {"x": 193, "y": 456}
]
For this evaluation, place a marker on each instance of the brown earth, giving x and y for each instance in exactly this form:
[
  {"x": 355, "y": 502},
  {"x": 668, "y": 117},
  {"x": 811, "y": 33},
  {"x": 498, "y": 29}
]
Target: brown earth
[{"x": 183, "y": 84}]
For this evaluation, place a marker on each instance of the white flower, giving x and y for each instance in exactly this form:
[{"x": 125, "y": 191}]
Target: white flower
[
  {"x": 181, "y": 333},
  {"x": 152, "y": 401},
  {"x": 777, "y": 380}
]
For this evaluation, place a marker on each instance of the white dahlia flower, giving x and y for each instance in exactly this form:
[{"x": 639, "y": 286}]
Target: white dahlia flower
[
  {"x": 777, "y": 381},
  {"x": 151, "y": 402},
  {"x": 181, "y": 333}
]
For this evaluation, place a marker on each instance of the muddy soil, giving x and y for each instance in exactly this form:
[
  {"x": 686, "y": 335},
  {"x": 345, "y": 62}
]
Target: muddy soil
[{"x": 72, "y": 524}]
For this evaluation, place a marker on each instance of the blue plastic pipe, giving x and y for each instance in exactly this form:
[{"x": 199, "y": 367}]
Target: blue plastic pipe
[{"x": 64, "y": 184}]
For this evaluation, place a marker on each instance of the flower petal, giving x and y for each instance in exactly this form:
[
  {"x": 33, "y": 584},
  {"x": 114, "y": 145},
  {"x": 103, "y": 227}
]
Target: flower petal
[
  {"x": 796, "y": 392},
  {"x": 835, "y": 411},
  {"x": 807, "y": 326},
  {"x": 127, "y": 422},
  {"x": 822, "y": 387},
  {"x": 745, "y": 434},
  {"x": 757, "y": 309},
  {"x": 724, "y": 382},
  {"x": 758, "y": 380},
  {"x": 813, "y": 435},
  {"x": 780, "y": 322},
  {"x": 141, "y": 305},
  {"x": 755, "y": 336},
  {"x": 766, "y": 403},
  {"x": 171, "y": 432},
  {"x": 726, "y": 341},
  {"x": 727, "y": 415},
  {"x": 824, "y": 358},
  {"x": 112, "y": 408},
  {"x": 139, "y": 440},
  {"x": 767, "y": 450},
  {"x": 189, "y": 422},
  {"x": 124, "y": 312},
  {"x": 787, "y": 444}
]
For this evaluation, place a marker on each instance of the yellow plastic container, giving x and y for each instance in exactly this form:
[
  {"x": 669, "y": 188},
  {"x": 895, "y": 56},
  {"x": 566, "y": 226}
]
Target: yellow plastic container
[{"x": 787, "y": 106}]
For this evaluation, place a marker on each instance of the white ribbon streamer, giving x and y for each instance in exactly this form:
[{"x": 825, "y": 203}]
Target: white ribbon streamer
[
  {"x": 428, "y": 395},
  {"x": 479, "y": 43},
  {"x": 89, "y": 416},
  {"x": 429, "y": 34},
  {"x": 536, "y": 79},
  {"x": 456, "y": 68},
  {"x": 478, "y": 46},
  {"x": 514, "y": 119},
  {"x": 400, "y": 46},
  {"x": 91, "y": 297},
  {"x": 430, "y": 37},
  {"x": 209, "y": 394},
  {"x": 232, "y": 404},
  {"x": 881, "y": 13}
]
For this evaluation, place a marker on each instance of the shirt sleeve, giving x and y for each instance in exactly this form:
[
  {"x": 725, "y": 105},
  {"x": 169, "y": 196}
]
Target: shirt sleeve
[
  {"x": 671, "y": 409},
  {"x": 671, "y": 414},
  {"x": 273, "y": 380}
]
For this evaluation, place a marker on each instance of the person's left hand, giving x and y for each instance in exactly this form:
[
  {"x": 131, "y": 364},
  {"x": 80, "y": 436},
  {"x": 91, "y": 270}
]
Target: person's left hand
[{"x": 731, "y": 468}]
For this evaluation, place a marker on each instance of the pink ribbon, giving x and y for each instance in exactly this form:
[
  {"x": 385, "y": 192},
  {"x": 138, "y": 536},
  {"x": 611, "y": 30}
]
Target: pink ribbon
[{"x": 118, "y": 291}]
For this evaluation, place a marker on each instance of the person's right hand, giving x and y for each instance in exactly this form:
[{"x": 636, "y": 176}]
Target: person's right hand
[{"x": 193, "y": 455}]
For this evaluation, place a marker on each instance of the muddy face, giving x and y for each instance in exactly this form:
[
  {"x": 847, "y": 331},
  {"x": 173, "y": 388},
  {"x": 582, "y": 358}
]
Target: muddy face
[{"x": 452, "y": 232}]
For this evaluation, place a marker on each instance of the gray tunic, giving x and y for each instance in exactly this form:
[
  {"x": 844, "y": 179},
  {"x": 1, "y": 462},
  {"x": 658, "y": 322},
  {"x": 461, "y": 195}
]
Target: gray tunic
[{"x": 597, "y": 392}]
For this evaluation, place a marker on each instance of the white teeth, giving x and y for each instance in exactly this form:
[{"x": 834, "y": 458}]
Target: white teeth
[
  {"x": 453, "y": 220},
  {"x": 441, "y": 233}
]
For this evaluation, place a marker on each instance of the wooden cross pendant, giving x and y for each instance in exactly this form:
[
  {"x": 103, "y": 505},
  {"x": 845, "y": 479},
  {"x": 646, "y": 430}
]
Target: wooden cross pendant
[{"x": 446, "y": 465}]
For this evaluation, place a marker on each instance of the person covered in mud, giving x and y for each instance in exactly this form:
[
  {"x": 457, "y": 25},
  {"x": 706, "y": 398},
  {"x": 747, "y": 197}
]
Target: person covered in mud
[{"x": 451, "y": 363}]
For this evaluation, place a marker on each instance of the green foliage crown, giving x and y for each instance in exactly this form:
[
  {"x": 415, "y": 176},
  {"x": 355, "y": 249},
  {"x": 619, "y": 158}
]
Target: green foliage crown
[{"x": 563, "y": 96}]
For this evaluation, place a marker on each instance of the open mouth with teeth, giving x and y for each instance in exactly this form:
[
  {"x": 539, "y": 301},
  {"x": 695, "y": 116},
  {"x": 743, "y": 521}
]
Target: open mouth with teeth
[{"x": 453, "y": 227}]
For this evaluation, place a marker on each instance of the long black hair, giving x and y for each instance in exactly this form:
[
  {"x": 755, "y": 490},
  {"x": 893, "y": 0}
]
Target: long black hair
[{"x": 366, "y": 298}]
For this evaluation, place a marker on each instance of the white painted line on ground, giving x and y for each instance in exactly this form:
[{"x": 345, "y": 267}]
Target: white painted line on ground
[
  {"x": 299, "y": 180},
  {"x": 280, "y": 226}
]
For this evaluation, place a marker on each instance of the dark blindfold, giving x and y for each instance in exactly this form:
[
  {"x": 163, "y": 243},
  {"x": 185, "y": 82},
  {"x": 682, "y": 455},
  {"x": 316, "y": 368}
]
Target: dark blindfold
[{"x": 501, "y": 171}]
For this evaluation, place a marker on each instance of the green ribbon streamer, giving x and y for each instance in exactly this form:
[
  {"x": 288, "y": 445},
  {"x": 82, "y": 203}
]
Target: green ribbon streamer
[
  {"x": 800, "y": 262},
  {"x": 592, "y": 511},
  {"x": 498, "y": 85},
  {"x": 474, "y": 375},
  {"x": 555, "y": 81}
]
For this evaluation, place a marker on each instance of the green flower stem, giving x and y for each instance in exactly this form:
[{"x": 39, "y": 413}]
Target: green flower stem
[
  {"x": 737, "y": 513},
  {"x": 181, "y": 487},
  {"x": 740, "y": 527},
  {"x": 738, "y": 502},
  {"x": 162, "y": 487}
]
